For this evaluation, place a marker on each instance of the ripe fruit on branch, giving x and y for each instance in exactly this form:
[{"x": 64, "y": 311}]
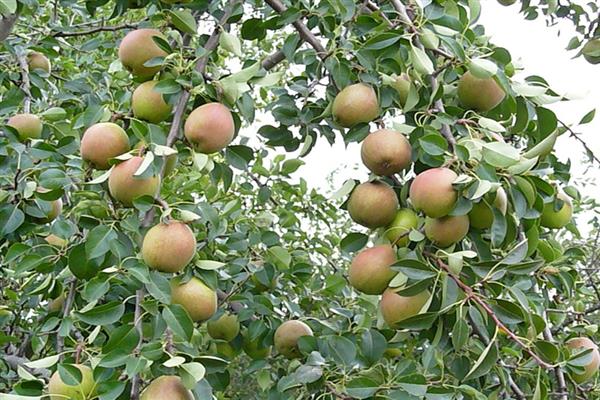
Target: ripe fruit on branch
[
  {"x": 169, "y": 247},
  {"x": 287, "y": 335},
  {"x": 448, "y": 230},
  {"x": 432, "y": 192},
  {"x": 481, "y": 215},
  {"x": 125, "y": 187},
  {"x": 103, "y": 141},
  {"x": 148, "y": 104},
  {"x": 370, "y": 270},
  {"x": 395, "y": 308},
  {"x": 479, "y": 94},
  {"x": 355, "y": 104},
  {"x": 591, "y": 51},
  {"x": 226, "y": 327},
  {"x": 136, "y": 48},
  {"x": 86, "y": 389},
  {"x": 199, "y": 300},
  {"x": 210, "y": 128},
  {"x": 166, "y": 387},
  {"x": 557, "y": 219},
  {"x": 578, "y": 345},
  {"x": 373, "y": 204},
  {"x": 397, "y": 231},
  {"x": 36, "y": 60},
  {"x": 28, "y": 126},
  {"x": 386, "y": 152}
]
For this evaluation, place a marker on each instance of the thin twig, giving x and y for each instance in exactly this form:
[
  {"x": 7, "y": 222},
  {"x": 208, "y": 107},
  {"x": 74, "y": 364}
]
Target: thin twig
[
  {"x": 25, "y": 84},
  {"x": 137, "y": 321},
  {"x": 95, "y": 30},
  {"x": 67, "y": 306},
  {"x": 576, "y": 136},
  {"x": 472, "y": 295},
  {"x": 560, "y": 377}
]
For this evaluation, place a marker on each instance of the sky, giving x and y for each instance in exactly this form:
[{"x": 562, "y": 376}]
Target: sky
[{"x": 540, "y": 52}]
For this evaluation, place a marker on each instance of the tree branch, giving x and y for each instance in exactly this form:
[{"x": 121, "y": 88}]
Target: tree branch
[
  {"x": 438, "y": 104},
  {"x": 137, "y": 323},
  {"x": 576, "y": 136},
  {"x": 95, "y": 30},
  {"x": 67, "y": 306},
  {"x": 303, "y": 31},
  {"x": 274, "y": 59},
  {"x": 6, "y": 25},
  {"x": 476, "y": 298},
  {"x": 25, "y": 85},
  {"x": 560, "y": 377}
]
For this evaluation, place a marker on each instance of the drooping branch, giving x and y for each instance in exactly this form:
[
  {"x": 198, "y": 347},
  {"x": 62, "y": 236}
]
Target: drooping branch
[
  {"x": 472, "y": 295},
  {"x": 438, "y": 104}
]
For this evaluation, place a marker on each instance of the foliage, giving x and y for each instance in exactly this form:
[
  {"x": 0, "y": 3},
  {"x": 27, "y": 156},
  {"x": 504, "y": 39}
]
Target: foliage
[{"x": 274, "y": 247}]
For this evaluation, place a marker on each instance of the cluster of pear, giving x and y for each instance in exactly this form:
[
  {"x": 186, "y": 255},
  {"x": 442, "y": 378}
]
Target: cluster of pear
[{"x": 374, "y": 204}]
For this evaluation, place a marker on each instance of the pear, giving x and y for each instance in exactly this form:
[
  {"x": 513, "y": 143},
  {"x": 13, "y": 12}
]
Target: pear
[
  {"x": 103, "y": 141},
  {"x": 479, "y": 94},
  {"x": 373, "y": 204},
  {"x": 169, "y": 247},
  {"x": 396, "y": 308},
  {"x": 370, "y": 270},
  {"x": 166, "y": 388},
  {"x": 138, "y": 47},
  {"x": 125, "y": 187},
  {"x": 226, "y": 327},
  {"x": 577, "y": 345},
  {"x": 210, "y": 128},
  {"x": 287, "y": 335},
  {"x": 199, "y": 300},
  {"x": 432, "y": 192},
  {"x": 28, "y": 126},
  {"x": 36, "y": 60},
  {"x": 355, "y": 104},
  {"x": 446, "y": 231},
  {"x": 148, "y": 104},
  {"x": 386, "y": 152},
  {"x": 86, "y": 389}
]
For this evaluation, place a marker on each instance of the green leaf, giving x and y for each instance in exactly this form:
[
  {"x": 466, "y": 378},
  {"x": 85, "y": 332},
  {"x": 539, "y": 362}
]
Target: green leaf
[
  {"x": 98, "y": 241},
  {"x": 361, "y": 388},
  {"x": 184, "y": 21},
  {"x": 125, "y": 338},
  {"x": 8, "y": 7},
  {"x": 11, "y": 218},
  {"x": 485, "y": 362},
  {"x": 482, "y": 68},
  {"x": 500, "y": 155},
  {"x": 231, "y": 43},
  {"x": 587, "y": 118},
  {"x": 104, "y": 314},
  {"x": 372, "y": 345},
  {"x": 381, "y": 41},
  {"x": 353, "y": 242},
  {"x": 460, "y": 334},
  {"x": 421, "y": 61},
  {"x": 209, "y": 264},
  {"x": 341, "y": 349},
  {"x": 70, "y": 374},
  {"x": 291, "y": 166},
  {"x": 179, "y": 321},
  {"x": 433, "y": 144},
  {"x": 414, "y": 269},
  {"x": 280, "y": 257}
]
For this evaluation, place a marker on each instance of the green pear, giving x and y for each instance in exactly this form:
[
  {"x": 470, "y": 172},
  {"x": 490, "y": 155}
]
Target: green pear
[
  {"x": 579, "y": 344},
  {"x": 396, "y": 308},
  {"x": 397, "y": 231},
  {"x": 355, "y": 104},
  {"x": 481, "y": 215},
  {"x": 138, "y": 47},
  {"x": 148, "y": 104},
  {"x": 479, "y": 94},
  {"x": 166, "y": 388},
  {"x": 446, "y": 231},
  {"x": 226, "y": 327},
  {"x": 36, "y": 60},
  {"x": 169, "y": 247},
  {"x": 28, "y": 126},
  {"x": 287, "y": 335},
  {"x": 386, "y": 152},
  {"x": 373, "y": 204},
  {"x": 195, "y": 297},
  {"x": 557, "y": 219},
  {"x": 86, "y": 389}
]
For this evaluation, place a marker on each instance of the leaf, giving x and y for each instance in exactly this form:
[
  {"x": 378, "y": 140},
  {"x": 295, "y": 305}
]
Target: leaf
[
  {"x": 8, "y": 7},
  {"x": 174, "y": 362},
  {"x": 381, "y": 41},
  {"x": 344, "y": 190},
  {"x": 146, "y": 162},
  {"x": 195, "y": 370},
  {"x": 184, "y": 21},
  {"x": 231, "y": 43},
  {"x": 209, "y": 264},
  {"x": 361, "y": 388},
  {"x": 421, "y": 61},
  {"x": 98, "y": 241},
  {"x": 11, "y": 219},
  {"x": 460, "y": 334},
  {"x": 70, "y": 374},
  {"x": 45, "y": 362},
  {"x": 500, "y": 155},
  {"x": 178, "y": 319},
  {"x": 482, "y": 68},
  {"x": 486, "y": 360},
  {"x": 433, "y": 144},
  {"x": 101, "y": 178},
  {"x": 104, "y": 314},
  {"x": 491, "y": 125},
  {"x": 589, "y": 117},
  {"x": 341, "y": 349},
  {"x": 280, "y": 257},
  {"x": 372, "y": 345},
  {"x": 474, "y": 10},
  {"x": 414, "y": 269},
  {"x": 353, "y": 242}
]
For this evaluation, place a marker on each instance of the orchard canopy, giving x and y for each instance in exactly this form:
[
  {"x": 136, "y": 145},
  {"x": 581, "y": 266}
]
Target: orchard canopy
[{"x": 159, "y": 239}]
